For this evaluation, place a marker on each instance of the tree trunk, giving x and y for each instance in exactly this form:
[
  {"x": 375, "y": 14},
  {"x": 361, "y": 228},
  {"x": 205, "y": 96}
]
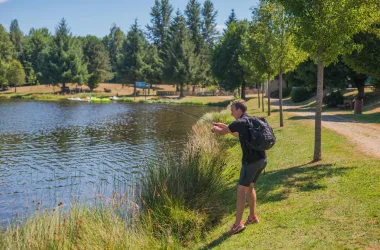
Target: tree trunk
[
  {"x": 134, "y": 90},
  {"x": 318, "y": 111},
  {"x": 262, "y": 97},
  {"x": 181, "y": 89},
  {"x": 258, "y": 93},
  {"x": 243, "y": 91},
  {"x": 15, "y": 88},
  {"x": 359, "y": 82},
  {"x": 193, "y": 91},
  {"x": 268, "y": 94},
  {"x": 280, "y": 97}
]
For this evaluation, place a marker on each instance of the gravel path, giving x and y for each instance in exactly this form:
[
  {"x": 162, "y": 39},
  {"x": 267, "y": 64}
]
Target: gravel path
[{"x": 366, "y": 136}]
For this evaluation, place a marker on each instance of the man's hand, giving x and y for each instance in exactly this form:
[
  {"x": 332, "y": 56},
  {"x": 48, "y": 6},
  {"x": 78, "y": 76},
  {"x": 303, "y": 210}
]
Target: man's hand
[
  {"x": 220, "y": 128},
  {"x": 219, "y": 124}
]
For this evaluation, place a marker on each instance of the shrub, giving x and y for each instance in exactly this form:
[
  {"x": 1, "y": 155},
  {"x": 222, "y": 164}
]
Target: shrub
[
  {"x": 333, "y": 99},
  {"x": 183, "y": 196},
  {"x": 212, "y": 88},
  {"x": 300, "y": 94}
]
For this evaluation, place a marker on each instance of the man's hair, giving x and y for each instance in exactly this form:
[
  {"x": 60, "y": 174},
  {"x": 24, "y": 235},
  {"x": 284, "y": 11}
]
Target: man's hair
[{"x": 240, "y": 104}]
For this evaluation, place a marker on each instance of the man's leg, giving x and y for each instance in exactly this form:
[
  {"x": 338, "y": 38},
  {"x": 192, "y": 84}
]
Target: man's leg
[
  {"x": 252, "y": 201},
  {"x": 240, "y": 203}
]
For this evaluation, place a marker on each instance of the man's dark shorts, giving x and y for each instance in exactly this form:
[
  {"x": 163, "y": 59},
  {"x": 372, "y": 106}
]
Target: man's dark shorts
[{"x": 250, "y": 172}]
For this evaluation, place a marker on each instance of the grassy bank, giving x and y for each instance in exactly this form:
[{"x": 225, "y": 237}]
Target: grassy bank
[
  {"x": 332, "y": 204},
  {"x": 190, "y": 201},
  {"x": 189, "y": 100}
]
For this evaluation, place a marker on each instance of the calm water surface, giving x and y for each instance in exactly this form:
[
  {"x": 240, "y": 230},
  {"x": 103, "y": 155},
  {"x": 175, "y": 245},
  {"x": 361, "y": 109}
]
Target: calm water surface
[{"x": 52, "y": 152}]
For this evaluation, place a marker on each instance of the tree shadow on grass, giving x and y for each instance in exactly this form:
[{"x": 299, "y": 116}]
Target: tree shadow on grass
[{"x": 277, "y": 185}]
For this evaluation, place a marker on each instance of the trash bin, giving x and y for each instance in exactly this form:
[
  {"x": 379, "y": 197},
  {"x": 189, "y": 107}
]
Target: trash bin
[{"x": 358, "y": 107}]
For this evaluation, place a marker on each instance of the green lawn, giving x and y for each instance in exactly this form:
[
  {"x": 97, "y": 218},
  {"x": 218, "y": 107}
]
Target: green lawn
[{"x": 332, "y": 204}]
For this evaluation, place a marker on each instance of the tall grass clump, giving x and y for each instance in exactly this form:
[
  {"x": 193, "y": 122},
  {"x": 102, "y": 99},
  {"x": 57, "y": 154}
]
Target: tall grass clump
[
  {"x": 183, "y": 196},
  {"x": 79, "y": 228}
]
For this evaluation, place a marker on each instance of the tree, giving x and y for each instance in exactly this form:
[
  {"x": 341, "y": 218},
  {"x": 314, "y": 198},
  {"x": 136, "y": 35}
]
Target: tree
[
  {"x": 17, "y": 37},
  {"x": 250, "y": 61},
  {"x": 286, "y": 55},
  {"x": 114, "y": 45},
  {"x": 154, "y": 65},
  {"x": 35, "y": 55},
  {"x": 3, "y": 73},
  {"x": 6, "y": 52},
  {"x": 66, "y": 58},
  {"x": 365, "y": 61},
  {"x": 325, "y": 29},
  {"x": 260, "y": 44},
  {"x": 202, "y": 51},
  {"x": 97, "y": 60},
  {"x": 231, "y": 18},
  {"x": 182, "y": 63},
  {"x": 225, "y": 61},
  {"x": 194, "y": 23},
  {"x": 209, "y": 36},
  {"x": 131, "y": 62},
  {"x": 209, "y": 31},
  {"x": 161, "y": 15},
  {"x": 16, "y": 74}
]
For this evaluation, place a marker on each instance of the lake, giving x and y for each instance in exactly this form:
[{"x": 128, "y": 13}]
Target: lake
[{"x": 53, "y": 152}]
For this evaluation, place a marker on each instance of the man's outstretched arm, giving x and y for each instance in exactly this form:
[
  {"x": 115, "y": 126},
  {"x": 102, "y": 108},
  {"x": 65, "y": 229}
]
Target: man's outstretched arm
[{"x": 221, "y": 129}]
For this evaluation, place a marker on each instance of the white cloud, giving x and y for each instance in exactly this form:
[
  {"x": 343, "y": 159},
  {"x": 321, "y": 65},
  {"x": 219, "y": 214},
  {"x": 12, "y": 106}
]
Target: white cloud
[
  {"x": 219, "y": 27},
  {"x": 3, "y": 1}
]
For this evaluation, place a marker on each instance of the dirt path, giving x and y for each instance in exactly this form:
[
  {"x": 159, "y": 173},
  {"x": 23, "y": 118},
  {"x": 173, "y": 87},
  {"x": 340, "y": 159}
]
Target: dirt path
[{"x": 365, "y": 136}]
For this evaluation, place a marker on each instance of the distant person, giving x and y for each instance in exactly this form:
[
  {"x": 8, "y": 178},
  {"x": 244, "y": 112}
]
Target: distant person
[{"x": 253, "y": 163}]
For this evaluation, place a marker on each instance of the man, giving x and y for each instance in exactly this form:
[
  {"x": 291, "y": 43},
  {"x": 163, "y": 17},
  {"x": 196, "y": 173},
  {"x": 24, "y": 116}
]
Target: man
[{"x": 253, "y": 163}]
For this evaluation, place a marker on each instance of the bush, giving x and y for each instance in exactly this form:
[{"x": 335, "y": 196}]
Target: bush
[
  {"x": 212, "y": 88},
  {"x": 333, "y": 99},
  {"x": 300, "y": 94}
]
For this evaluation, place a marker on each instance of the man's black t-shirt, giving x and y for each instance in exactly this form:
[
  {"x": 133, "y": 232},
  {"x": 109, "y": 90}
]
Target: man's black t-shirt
[{"x": 241, "y": 127}]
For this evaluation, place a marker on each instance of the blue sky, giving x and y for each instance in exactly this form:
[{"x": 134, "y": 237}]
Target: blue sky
[{"x": 95, "y": 17}]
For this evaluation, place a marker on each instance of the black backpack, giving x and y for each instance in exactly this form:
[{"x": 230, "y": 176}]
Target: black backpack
[{"x": 261, "y": 136}]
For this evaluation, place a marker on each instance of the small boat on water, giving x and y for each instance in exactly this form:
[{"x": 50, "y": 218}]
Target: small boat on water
[
  {"x": 78, "y": 99},
  {"x": 114, "y": 98}
]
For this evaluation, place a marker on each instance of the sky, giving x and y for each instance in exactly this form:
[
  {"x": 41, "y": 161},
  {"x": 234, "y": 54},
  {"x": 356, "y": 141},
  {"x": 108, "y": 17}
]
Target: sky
[{"x": 95, "y": 17}]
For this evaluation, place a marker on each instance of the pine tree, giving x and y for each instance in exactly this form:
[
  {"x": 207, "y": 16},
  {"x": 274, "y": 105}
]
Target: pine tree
[
  {"x": 225, "y": 61},
  {"x": 66, "y": 58},
  {"x": 131, "y": 62},
  {"x": 209, "y": 31},
  {"x": 194, "y": 23},
  {"x": 161, "y": 15},
  {"x": 231, "y": 18},
  {"x": 17, "y": 37},
  {"x": 115, "y": 41},
  {"x": 182, "y": 63},
  {"x": 97, "y": 60}
]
